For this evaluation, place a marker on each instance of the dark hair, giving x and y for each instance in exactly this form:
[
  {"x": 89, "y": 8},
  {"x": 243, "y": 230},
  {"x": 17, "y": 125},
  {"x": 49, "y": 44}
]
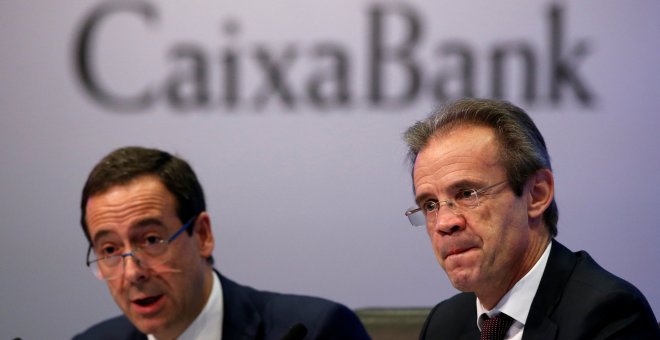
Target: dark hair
[
  {"x": 522, "y": 149},
  {"x": 125, "y": 164}
]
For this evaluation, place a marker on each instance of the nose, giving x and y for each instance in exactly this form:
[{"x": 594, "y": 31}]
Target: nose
[
  {"x": 447, "y": 222},
  {"x": 134, "y": 269}
]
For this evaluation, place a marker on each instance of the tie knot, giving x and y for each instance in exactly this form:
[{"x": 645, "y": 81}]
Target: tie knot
[{"x": 496, "y": 327}]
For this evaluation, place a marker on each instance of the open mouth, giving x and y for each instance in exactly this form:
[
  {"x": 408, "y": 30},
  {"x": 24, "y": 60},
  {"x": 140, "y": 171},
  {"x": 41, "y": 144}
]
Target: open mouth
[{"x": 147, "y": 301}]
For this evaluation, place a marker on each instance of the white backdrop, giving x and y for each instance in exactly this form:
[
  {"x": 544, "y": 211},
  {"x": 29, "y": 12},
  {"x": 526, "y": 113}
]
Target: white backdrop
[{"x": 307, "y": 195}]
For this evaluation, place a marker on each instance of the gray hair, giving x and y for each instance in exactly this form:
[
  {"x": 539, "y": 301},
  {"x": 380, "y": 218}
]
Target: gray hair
[{"x": 522, "y": 149}]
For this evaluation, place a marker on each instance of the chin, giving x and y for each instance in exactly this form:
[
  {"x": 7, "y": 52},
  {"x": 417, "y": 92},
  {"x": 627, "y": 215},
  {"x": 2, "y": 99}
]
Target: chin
[
  {"x": 148, "y": 326},
  {"x": 462, "y": 281},
  {"x": 147, "y": 322},
  {"x": 459, "y": 285}
]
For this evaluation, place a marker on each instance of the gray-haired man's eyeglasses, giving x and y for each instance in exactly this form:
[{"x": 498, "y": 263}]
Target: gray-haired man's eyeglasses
[{"x": 427, "y": 213}]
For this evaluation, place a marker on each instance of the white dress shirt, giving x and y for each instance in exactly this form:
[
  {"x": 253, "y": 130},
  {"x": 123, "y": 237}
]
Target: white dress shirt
[
  {"x": 208, "y": 324},
  {"x": 518, "y": 300}
]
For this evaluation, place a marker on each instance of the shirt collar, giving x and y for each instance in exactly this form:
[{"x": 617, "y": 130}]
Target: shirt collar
[
  {"x": 208, "y": 324},
  {"x": 518, "y": 300}
]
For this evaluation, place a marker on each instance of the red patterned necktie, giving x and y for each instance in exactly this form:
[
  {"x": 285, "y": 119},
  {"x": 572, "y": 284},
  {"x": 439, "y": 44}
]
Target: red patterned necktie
[{"x": 495, "y": 328}]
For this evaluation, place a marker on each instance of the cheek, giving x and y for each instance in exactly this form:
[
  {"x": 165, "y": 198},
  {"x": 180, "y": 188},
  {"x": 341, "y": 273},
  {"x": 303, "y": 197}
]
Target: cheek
[
  {"x": 434, "y": 237},
  {"x": 114, "y": 286},
  {"x": 116, "y": 291},
  {"x": 436, "y": 241},
  {"x": 168, "y": 267},
  {"x": 508, "y": 230},
  {"x": 494, "y": 220},
  {"x": 429, "y": 231},
  {"x": 183, "y": 253}
]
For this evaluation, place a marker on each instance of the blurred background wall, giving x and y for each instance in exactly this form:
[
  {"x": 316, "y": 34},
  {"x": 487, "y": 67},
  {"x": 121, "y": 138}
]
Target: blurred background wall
[{"x": 292, "y": 112}]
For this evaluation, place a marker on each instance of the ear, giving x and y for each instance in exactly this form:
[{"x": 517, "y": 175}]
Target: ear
[
  {"x": 541, "y": 190},
  {"x": 204, "y": 235}
]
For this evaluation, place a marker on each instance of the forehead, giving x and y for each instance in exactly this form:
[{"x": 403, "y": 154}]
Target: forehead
[
  {"x": 121, "y": 206},
  {"x": 463, "y": 153}
]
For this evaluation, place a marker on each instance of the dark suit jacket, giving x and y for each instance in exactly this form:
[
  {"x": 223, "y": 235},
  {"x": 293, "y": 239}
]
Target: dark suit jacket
[
  {"x": 576, "y": 299},
  {"x": 253, "y": 314}
]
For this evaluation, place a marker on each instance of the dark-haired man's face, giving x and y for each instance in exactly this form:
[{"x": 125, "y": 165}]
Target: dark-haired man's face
[{"x": 162, "y": 299}]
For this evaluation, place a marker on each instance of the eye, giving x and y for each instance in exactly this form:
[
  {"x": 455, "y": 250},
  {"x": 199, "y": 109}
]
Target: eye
[
  {"x": 108, "y": 250},
  {"x": 151, "y": 239},
  {"x": 430, "y": 206},
  {"x": 466, "y": 194}
]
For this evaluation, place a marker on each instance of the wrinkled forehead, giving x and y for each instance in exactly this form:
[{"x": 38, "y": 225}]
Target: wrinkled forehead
[
  {"x": 460, "y": 153},
  {"x": 465, "y": 140},
  {"x": 455, "y": 129},
  {"x": 123, "y": 206}
]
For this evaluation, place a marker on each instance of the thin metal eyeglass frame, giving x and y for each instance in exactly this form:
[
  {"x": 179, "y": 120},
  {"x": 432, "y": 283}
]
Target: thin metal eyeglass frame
[
  {"x": 451, "y": 203},
  {"x": 132, "y": 253}
]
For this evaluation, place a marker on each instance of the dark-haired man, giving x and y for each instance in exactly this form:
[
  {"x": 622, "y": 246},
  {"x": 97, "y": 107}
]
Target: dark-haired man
[
  {"x": 144, "y": 214},
  {"x": 484, "y": 191}
]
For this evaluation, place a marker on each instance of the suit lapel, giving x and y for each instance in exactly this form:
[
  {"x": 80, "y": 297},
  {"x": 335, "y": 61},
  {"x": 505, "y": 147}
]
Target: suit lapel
[
  {"x": 241, "y": 318},
  {"x": 558, "y": 270},
  {"x": 542, "y": 328}
]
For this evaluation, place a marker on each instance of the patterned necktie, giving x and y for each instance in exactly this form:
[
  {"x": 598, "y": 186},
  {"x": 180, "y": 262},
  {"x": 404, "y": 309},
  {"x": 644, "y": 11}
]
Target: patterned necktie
[{"x": 495, "y": 328}]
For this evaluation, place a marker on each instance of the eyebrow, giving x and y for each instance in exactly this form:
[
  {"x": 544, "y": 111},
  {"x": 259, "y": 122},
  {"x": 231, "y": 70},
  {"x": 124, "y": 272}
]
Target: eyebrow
[
  {"x": 141, "y": 224},
  {"x": 422, "y": 198},
  {"x": 149, "y": 221},
  {"x": 460, "y": 184},
  {"x": 101, "y": 234},
  {"x": 465, "y": 184}
]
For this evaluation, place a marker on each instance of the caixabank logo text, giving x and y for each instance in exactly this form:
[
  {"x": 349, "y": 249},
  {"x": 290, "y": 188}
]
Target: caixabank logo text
[{"x": 399, "y": 61}]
